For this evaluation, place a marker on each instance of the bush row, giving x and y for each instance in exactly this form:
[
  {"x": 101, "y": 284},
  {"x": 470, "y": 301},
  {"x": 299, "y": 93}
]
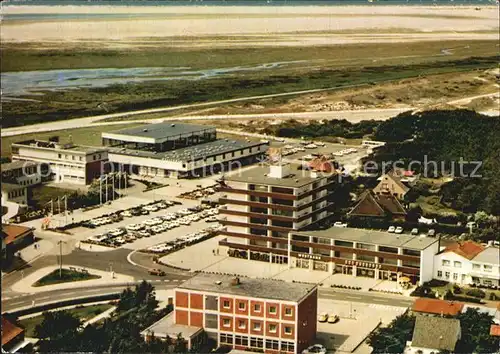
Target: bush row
[{"x": 345, "y": 287}]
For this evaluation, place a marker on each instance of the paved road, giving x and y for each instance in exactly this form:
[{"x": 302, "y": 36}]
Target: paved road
[{"x": 24, "y": 300}]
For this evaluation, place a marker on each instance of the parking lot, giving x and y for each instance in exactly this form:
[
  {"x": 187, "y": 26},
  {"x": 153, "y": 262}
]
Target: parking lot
[{"x": 356, "y": 321}]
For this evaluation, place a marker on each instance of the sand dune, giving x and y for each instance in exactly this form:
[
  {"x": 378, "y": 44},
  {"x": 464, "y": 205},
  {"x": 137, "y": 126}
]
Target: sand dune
[{"x": 403, "y": 23}]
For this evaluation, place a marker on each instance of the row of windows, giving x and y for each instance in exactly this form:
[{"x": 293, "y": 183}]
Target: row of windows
[
  {"x": 257, "y": 326},
  {"x": 255, "y": 342},
  {"x": 447, "y": 275},
  {"x": 257, "y": 308},
  {"x": 16, "y": 193},
  {"x": 486, "y": 268},
  {"x": 73, "y": 157},
  {"x": 447, "y": 263}
]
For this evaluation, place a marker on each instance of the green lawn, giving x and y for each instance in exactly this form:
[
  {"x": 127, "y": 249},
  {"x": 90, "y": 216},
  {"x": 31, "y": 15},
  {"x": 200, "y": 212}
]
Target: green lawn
[
  {"x": 83, "y": 313},
  {"x": 67, "y": 276}
]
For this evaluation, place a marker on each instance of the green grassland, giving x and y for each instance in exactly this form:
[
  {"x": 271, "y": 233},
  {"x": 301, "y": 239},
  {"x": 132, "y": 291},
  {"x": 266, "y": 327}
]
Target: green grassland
[
  {"x": 323, "y": 67},
  {"x": 65, "y": 276}
]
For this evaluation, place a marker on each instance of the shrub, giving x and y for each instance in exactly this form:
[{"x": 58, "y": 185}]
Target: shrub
[
  {"x": 493, "y": 296},
  {"x": 476, "y": 293},
  {"x": 457, "y": 289}
]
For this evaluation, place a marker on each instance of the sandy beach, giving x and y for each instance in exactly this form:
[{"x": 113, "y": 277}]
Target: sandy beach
[{"x": 295, "y": 25}]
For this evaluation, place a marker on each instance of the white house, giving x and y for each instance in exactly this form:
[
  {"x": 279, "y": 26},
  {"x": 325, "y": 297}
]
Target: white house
[{"x": 468, "y": 262}]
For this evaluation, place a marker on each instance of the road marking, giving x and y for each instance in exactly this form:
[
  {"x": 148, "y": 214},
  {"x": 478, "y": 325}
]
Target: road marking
[
  {"x": 388, "y": 307},
  {"x": 353, "y": 297}
]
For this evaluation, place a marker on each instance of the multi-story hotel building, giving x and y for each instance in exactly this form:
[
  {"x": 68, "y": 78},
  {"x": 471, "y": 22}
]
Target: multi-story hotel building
[
  {"x": 366, "y": 253},
  {"x": 65, "y": 162},
  {"x": 268, "y": 315},
  {"x": 263, "y": 204}
]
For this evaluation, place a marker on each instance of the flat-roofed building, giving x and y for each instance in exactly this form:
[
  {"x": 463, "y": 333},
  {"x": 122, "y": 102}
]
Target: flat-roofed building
[
  {"x": 192, "y": 161},
  {"x": 64, "y": 162},
  {"x": 263, "y": 204},
  {"x": 160, "y": 137},
  {"x": 366, "y": 253},
  {"x": 265, "y": 315}
]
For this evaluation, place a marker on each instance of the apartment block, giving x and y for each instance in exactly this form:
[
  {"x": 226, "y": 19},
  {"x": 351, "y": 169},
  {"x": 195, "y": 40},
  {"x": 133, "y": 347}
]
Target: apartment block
[
  {"x": 364, "y": 253},
  {"x": 246, "y": 313},
  {"x": 265, "y": 203}
]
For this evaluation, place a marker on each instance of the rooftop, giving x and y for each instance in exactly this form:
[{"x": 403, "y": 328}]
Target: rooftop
[
  {"x": 259, "y": 175},
  {"x": 381, "y": 238},
  {"x": 190, "y": 153},
  {"x": 249, "y": 287},
  {"x": 436, "y": 333},
  {"x": 9, "y": 331},
  {"x": 370, "y": 204},
  {"x": 11, "y": 232},
  {"x": 437, "y": 307},
  {"x": 15, "y": 165},
  {"x": 467, "y": 249},
  {"x": 160, "y": 131},
  {"x": 8, "y": 187},
  {"x": 495, "y": 330},
  {"x": 166, "y": 326},
  {"x": 60, "y": 146},
  {"x": 490, "y": 255}
]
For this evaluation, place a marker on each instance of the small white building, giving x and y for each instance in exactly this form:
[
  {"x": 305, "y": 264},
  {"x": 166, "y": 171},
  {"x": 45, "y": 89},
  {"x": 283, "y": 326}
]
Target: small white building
[
  {"x": 468, "y": 263},
  {"x": 67, "y": 162}
]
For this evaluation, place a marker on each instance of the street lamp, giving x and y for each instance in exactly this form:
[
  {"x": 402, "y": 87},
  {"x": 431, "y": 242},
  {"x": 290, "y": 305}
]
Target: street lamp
[{"x": 60, "y": 243}]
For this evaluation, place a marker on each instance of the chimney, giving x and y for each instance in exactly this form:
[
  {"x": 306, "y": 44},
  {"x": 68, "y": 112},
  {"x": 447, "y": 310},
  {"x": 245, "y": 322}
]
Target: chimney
[
  {"x": 235, "y": 281},
  {"x": 279, "y": 170}
]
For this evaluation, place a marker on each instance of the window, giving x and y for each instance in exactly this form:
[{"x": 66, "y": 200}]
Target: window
[
  {"x": 226, "y": 322},
  {"x": 476, "y": 266},
  {"x": 256, "y": 307},
  {"x": 365, "y": 246},
  {"x": 272, "y": 309},
  {"x": 59, "y": 155},
  {"x": 272, "y": 344},
  {"x": 242, "y": 324},
  {"x": 447, "y": 275},
  {"x": 81, "y": 158},
  {"x": 272, "y": 328},
  {"x": 288, "y": 311},
  {"x": 226, "y": 338},
  {"x": 488, "y": 268},
  {"x": 211, "y": 321},
  {"x": 287, "y": 346},
  {"x": 457, "y": 264},
  {"x": 225, "y": 304},
  {"x": 455, "y": 276},
  {"x": 445, "y": 262},
  {"x": 241, "y": 340},
  {"x": 242, "y": 306},
  {"x": 256, "y": 342},
  {"x": 73, "y": 157},
  {"x": 440, "y": 274},
  {"x": 257, "y": 326},
  {"x": 288, "y": 330},
  {"x": 344, "y": 244},
  {"x": 463, "y": 277}
]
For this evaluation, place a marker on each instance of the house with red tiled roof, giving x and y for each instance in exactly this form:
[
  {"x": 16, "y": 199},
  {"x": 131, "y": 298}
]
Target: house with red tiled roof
[
  {"x": 12, "y": 336},
  {"x": 427, "y": 306},
  {"x": 14, "y": 237},
  {"x": 383, "y": 206},
  {"x": 468, "y": 263},
  {"x": 322, "y": 164},
  {"x": 495, "y": 330}
]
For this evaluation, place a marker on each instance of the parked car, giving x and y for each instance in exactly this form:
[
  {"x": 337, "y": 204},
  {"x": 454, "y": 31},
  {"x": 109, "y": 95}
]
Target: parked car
[
  {"x": 211, "y": 219},
  {"x": 316, "y": 348},
  {"x": 399, "y": 230},
  {"x": 431, "y": 233},
  {"x": 126, "y": 213},
  {"x": 333, "y": 318},
  {"x": 414, "y": 231},
  {"x": 340, "y": 224},
  {"x": 311, "y": 146},
  {"x": 323, "y": 317},
  {"x": 157, "y": 272},
  {"x": 391, "y": 229}
]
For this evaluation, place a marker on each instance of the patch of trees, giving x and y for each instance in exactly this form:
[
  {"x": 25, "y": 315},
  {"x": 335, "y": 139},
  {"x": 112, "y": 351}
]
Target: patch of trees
[
  {"x": 334, "y": 128},
  {"x": 61, "y": 331},
  {"x": 475, "y": 336},
  {"x": 459, "y": 143}
]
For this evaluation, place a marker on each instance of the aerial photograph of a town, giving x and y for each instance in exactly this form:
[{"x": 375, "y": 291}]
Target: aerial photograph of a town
[{"x": 250, "y": 176}]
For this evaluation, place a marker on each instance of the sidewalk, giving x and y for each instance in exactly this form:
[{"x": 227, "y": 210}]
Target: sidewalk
[
  {"x": 105, "y": 314},
  {"x": 26, "y": 284}
]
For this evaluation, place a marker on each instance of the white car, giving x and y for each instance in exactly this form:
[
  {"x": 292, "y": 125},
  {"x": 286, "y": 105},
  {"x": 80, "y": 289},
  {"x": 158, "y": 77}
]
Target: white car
[
  {"x": 319, "y": 143},
  {"x": 98, "y": 238},
  {"x": 340, "y": 224},
  {"x": 134, "y": 227},
  {"x": 391, "y": 229},
  {"x": 399, "y": 230},
  {"x": 151, "y": 208},
  {"x": 322, "y": 317},
  {"x": 316, "y": 348},
  {"x": 126, "y": 213},
  {"x": 120, "y": 240},
  {"x": 116, "y": 232}
]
